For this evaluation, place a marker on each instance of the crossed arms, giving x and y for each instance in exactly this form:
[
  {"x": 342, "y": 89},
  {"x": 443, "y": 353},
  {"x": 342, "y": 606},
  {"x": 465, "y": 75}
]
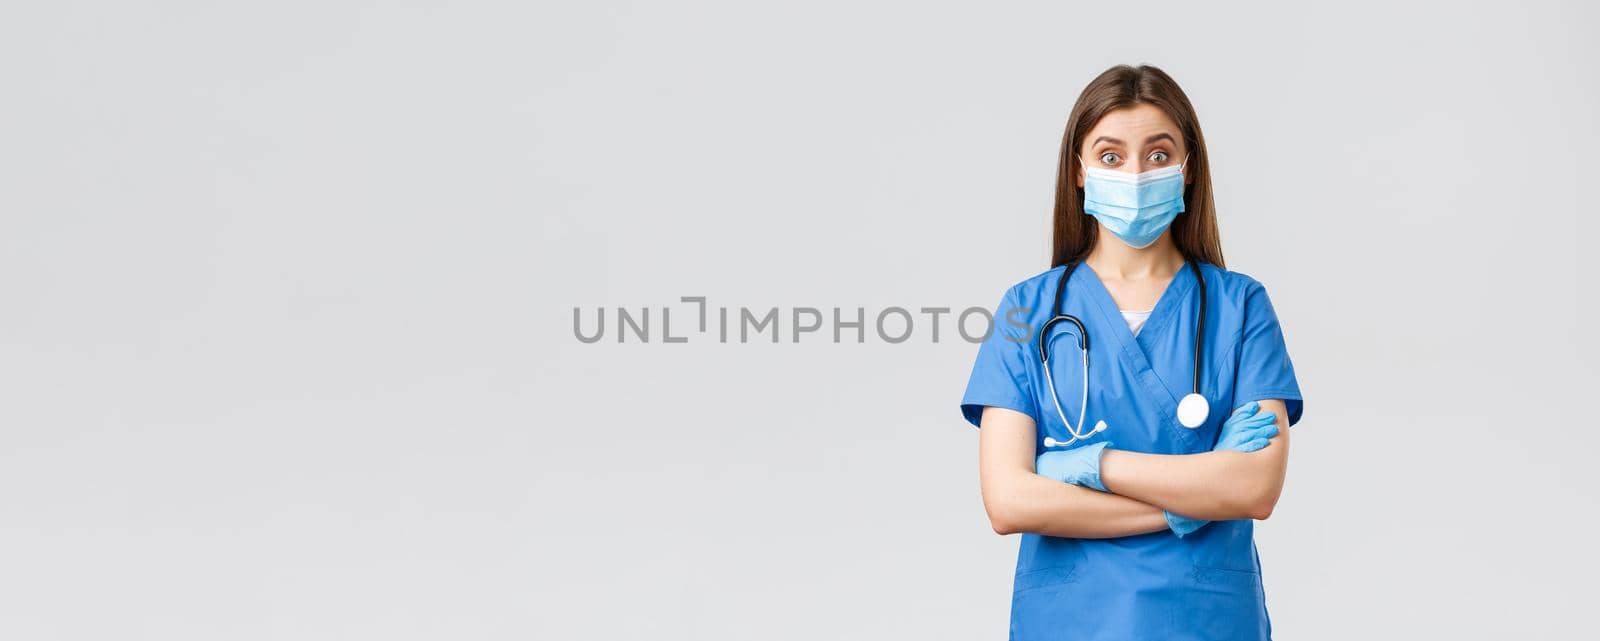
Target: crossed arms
[{"x": 1209, "y": 485}]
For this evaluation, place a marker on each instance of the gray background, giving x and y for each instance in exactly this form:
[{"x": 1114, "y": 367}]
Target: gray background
[{"x": 287, "y": 348}]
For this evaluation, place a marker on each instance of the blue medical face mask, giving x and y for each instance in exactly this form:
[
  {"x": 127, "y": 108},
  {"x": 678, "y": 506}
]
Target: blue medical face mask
[{"x": 1135, "y": 207}]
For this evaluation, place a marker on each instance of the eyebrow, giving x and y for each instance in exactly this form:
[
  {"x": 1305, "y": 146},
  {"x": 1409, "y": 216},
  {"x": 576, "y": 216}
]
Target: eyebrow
[{"x": 1147, "y": 141}]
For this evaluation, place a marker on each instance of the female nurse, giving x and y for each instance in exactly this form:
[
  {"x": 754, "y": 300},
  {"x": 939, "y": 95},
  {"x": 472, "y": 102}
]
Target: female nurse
[{"x": 1141, "y": 529}]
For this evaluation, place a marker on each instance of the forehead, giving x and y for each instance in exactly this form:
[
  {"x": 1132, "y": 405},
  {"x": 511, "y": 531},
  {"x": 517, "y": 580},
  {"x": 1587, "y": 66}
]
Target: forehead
[{"x": 1133, "y": 125}]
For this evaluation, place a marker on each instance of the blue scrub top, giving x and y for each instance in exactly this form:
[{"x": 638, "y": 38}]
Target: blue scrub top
[{"x": 1206, "y": 585}]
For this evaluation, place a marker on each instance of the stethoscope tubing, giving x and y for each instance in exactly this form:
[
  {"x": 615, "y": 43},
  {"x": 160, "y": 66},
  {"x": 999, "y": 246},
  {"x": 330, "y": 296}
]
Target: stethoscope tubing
[{"x": 1083, "y": 344}]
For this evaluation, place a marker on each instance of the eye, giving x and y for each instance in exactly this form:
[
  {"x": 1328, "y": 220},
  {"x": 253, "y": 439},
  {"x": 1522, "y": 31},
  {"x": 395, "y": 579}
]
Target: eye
[
  {"x": 1110, "y": 158},
  {"x": 1158, "y": 157}
]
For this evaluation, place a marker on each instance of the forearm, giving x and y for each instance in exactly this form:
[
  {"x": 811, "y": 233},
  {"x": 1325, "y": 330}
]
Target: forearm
[
  {"x": 1210, "y": 485},
  {"x": 1026, "y": 502}
]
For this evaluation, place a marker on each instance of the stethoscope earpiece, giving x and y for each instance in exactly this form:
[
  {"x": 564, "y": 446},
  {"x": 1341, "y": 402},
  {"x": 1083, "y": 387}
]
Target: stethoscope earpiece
[{"x": 1098, "y": 427}]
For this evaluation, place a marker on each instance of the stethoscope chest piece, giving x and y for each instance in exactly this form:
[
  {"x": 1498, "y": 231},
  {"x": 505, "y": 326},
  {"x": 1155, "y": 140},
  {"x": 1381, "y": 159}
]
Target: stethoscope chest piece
[{"x": 1193, "y": 410}]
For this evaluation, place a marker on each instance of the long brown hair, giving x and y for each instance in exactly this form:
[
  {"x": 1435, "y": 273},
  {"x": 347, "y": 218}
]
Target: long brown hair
[{"x": 1194, "y": 231}]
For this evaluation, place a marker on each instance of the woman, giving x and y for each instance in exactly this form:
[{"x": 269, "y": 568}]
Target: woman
[{"x": 1139, "y": 527}]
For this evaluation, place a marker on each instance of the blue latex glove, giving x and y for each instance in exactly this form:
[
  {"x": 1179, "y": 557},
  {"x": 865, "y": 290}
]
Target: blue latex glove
[
  {"x": 1244, "y": 431},
  {"x": 1078, "y": 466}
]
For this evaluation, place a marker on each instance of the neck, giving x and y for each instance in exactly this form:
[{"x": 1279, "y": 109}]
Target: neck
[{"x": 1111, "y": 258}]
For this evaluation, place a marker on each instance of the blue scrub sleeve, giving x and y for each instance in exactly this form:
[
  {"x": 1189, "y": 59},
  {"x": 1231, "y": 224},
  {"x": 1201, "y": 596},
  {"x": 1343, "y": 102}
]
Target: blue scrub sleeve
[
  {"x": 1264, "y": 369},
  {"x": 1003, "y": 374}
]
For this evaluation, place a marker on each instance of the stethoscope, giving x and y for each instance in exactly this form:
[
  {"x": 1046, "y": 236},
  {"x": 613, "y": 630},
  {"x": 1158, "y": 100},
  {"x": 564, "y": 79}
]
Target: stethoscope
[{"x": 1192, "y": 410}]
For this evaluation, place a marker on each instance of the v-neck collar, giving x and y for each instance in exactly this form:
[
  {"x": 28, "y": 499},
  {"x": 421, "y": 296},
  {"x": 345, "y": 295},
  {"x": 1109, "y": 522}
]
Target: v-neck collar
[
  {"x": 1160, "y": 315},
  {"x": 1133, "y": 351}
]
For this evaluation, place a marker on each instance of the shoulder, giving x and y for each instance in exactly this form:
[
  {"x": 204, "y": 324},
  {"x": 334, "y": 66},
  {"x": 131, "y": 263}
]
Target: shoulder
[
  {"x": 1242, "y": 301},
  {"x": 1028, "y": 301},
  {"x": 1030, "y": 287},
  {"x": 1231, "y": 287},
  {"x": 1039, "y": 286}
]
